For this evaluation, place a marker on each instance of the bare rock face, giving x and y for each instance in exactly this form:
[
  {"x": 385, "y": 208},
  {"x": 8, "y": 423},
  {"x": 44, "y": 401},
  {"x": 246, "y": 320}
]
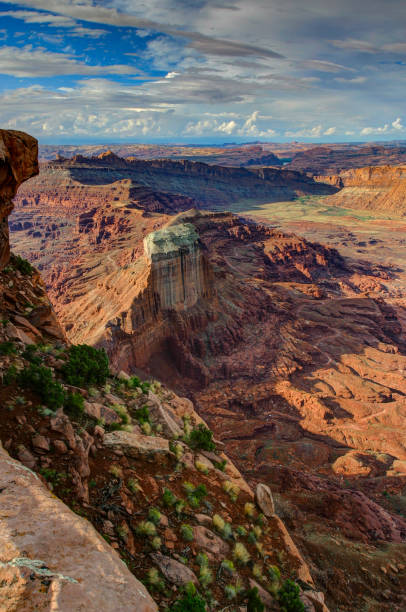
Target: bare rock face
[
  {"x": 18, "y": 162},
  {"x": 380, "y": 188},
  {"x": 42, "y": 560}
]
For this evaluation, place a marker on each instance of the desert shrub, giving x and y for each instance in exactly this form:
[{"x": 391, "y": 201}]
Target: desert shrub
[
  {"x": 228, "y": 566},
  {"x": 86, "y": 366},
  {"x": 191, "y": 601},
  {"x": 186, "y": 532},
  {"x": 201, "y": 467},
  {"x": 201, "y": 438},
  {"x": 195, "y": 495},
  {"x": 154, "y": 516},
  {"x": 218, "y": 522},
  {"x": 249, "y": 510},
  {"x": 146, "y": 429},
  {"x": 241, "y": 554},
  {"x": 136, "y": 383},
  {"x": 254, "y": 603},
  {"x": 156, "y": 543},
  {"x": 168, "y": 498},
  {"x": 116, "y": 471},
  {"x": 7, "y": 348},
  {"x": 39, "y": 379},
  {"x": 10, "y": 375},
  {"x": 146, "y": 528},
  {"x": 154, "y": 580},
  {"x": 177, "y": 449},
  {"x": 30, "y": 353},
  {"x": 220, "y": 465},
  {"x": 231, "y": 489},
  {"x": 142, "y": 415},
  {"x": 202, "y": 559},
  {"x": 241, "y": 531},
  {"x": 230, "y": 591},
  {"x": 22, "y": 265},
  {"x": 205, "y": 575},
  {"x": 74, "y": 405},
  {"x": 288, "y": 597},
  {"x": 121, "y": 411},
  {"x": 133, "y": 485}
]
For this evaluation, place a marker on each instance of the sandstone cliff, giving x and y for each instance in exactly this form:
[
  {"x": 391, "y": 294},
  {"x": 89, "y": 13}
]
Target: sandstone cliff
[{"x": 380, "y": 188}]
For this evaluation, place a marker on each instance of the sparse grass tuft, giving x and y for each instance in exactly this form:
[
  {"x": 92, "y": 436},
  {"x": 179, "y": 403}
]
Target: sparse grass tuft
[
  {"x": 146, "y": 528},
  {"x": 186, "y": 532},
  {"x": 241, "y": 554}
]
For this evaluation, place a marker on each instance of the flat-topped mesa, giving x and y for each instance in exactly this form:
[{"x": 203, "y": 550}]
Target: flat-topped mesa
[
  {"x": 18, "y": 162},
  {"x": 180, "y": 272}
]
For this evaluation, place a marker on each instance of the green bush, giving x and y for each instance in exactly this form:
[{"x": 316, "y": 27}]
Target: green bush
[
  {"x": 86, "y": 366},
  {"x": 201, "y": 438},
  {"x": 74, "y": 405},
  {"x": 189, "y": 602},
  {"x": 7, "y": 348},
  {"x": 22, "y": 265},
  {"x": 136, "y": 383},
  {"x": 254, "y": 603},
  {"x": 39, "y": 379},
  {"x": 142, "y": 415},
  {"x": 30, "y": 354},
  {"x": 288, "y": 597}
]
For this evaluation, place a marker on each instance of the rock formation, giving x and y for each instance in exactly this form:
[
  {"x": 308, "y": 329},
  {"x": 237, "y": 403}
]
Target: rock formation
[
  {"x": 380, "y": 188},
  {"x": 18, "y": 162}
]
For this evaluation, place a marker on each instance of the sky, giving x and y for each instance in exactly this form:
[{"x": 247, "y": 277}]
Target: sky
[{"x": 203, "y": 71}]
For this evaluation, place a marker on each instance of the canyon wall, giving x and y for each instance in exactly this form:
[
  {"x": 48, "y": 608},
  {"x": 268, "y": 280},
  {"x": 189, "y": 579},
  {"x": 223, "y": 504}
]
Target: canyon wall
[{"x": 378, "y": 188}]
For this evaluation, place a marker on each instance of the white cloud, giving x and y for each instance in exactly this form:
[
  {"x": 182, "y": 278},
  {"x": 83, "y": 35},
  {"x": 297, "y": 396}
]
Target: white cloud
[
  {"x": 314, "y": 132},
  {"x": 29, "y": 62},
  {"x": 330, "y": 131},
  {"x": 395, "y": 126}
]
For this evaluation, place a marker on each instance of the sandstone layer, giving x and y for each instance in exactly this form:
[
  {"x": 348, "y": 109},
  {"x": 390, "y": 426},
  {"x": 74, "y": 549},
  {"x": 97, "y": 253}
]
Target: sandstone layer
[{"x": 380, "y": 188}]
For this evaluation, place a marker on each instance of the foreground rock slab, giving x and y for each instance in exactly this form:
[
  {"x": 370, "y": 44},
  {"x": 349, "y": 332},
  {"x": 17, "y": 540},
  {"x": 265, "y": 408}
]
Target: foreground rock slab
[{"x": 52, "y": 559}]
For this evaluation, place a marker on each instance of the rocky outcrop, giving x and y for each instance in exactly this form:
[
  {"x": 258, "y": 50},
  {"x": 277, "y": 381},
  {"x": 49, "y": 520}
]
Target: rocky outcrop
[
  {"x": 180, "y": 274},
  {"x": 18, "y": 162},
  {"x": 381, "y": 188},
  {"x": 53, "y": 559}
]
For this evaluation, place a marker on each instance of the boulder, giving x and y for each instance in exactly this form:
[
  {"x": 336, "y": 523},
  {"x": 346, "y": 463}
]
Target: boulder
[
  {"x": 173, "y": 571},
  {"x": 264, "y": 499},
  {"x": 162, "y": 415},
  {"x": 136, "y": 445},
  {"x": 42, "y": 560},
  {"x": 100, "y": 412},
  {"x": 210, "y": 543}
]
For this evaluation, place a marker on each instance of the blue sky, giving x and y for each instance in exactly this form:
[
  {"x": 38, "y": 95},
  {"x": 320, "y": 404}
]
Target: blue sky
[{"x": 198, "y": 71}]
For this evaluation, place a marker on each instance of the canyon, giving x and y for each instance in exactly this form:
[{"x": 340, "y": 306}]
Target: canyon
[
  {"x": 292, "y": 351},
  {"x": 97, "y": 482}
]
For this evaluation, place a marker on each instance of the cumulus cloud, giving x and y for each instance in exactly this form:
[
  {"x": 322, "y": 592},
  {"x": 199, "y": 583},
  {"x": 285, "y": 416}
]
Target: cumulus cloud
[
  {"x": 330, "y": 131},
  {"x": 395, "y": 126}
]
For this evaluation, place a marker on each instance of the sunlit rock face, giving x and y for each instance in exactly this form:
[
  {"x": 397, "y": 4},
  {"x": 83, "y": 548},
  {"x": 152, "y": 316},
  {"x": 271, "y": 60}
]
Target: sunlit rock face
[
  {"x": 18, "y": 162},
  {"x": 179, "y": 270}
]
